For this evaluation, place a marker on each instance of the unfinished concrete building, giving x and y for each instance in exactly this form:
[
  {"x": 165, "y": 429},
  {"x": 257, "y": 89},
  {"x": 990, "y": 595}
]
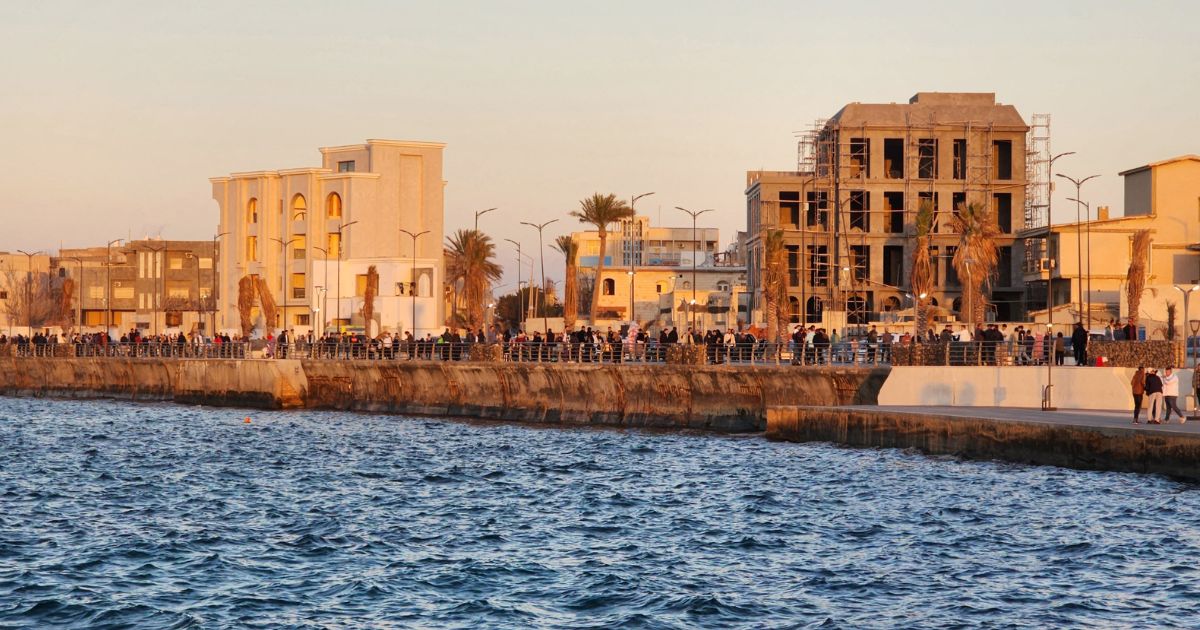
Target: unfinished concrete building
[{"x": 847, "y": 212}]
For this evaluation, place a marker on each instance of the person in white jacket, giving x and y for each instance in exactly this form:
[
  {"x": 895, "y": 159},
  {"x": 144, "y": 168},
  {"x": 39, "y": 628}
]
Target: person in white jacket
[{"x": 1171, "y": 395}]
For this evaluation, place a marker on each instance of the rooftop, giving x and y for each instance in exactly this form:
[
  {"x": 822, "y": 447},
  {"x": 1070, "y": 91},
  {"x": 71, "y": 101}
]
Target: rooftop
[
  {"x": 945, "y": 108},
  {"x": 1181, "y": 158}
]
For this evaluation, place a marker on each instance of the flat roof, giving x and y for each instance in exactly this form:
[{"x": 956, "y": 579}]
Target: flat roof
[{"x": 1181, "y": 158}]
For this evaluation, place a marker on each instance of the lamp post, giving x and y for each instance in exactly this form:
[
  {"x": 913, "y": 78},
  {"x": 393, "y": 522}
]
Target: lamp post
[
  {"x": 479, "y": 213},
  {"x": 1078, "y": 234},
  {"x": 29, "y": 288},
  {"x": 1088, "y": 264},
  {"x": 154, "y": 303},
  {"x": 215, "y": 282},
  {"x": 283, "y": 245},
  {"x": 108, "y": 287},
  {"x": 412, "y": 273},
  {"x": 338, "y": 298},
  {"x": 635, "y": 252},
  {"x": 1187, "y": 295},
  {"x": 79, "y": 299},
  {"x": 520, "y": 299},
  {"x": 324, "y": 287},
  {"x": 695, "y": 250},
  {"x": 542, "y": 255}
]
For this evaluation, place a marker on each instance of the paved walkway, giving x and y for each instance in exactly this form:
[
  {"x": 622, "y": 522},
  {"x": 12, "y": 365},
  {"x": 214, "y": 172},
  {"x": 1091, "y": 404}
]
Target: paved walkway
[{"x": 1072, "y": 417}]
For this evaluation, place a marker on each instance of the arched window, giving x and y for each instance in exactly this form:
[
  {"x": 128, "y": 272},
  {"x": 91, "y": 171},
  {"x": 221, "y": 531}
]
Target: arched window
[
  {"x": 891, "y": 303},
  {"x": 723, "y": 287},
  {"x": 687, "y": 284},
  {"x": 793, "y": 309},
  {"x": 333, "y": 206},
  {"x": 610, "y": 286},
  {"x": 252, "y": 211},
  {"x": 956, "y": 306},
  {"x": 813, "y": 310},
  {"x": 299, "y": 207}
]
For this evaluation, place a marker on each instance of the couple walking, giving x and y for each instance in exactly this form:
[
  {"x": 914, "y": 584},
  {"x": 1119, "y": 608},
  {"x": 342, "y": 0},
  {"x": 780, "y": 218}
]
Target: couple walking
[{"x": 1161, "y": 394}]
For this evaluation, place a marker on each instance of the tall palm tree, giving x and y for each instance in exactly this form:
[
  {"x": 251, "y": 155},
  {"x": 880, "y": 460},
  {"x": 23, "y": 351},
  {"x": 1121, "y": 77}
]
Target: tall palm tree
[
  {"x": 774, "y": 287},
  {"x": 1136, "y": 276},
  {"x": 570, "y": 251},
  {"x": 921, "y": 280},
  {"x": 976, "y": 257},
  {"x": 599, "y": 211},
  {"x": 471, "y": 253}
]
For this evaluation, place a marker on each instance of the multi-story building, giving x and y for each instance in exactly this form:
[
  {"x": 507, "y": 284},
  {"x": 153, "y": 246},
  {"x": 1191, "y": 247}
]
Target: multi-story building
[
  {"x": 153, "y": 285},
  {"x": 645, "y": 265},
  {"x": 1087, "y": 262},
  {"x": 847, "y": 212},
  {"x": 312, "y": 234}
]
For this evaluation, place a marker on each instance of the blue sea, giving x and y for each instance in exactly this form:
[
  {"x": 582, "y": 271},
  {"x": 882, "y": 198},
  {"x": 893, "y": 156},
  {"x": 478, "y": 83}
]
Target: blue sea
[{"x": 116, "y": 515}]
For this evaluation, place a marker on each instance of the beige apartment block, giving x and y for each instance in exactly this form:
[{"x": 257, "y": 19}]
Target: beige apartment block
[
  {"x": 654, "y": 266},
  {"x": 20, "y": 274},
  {"x": 847, "y": 212},
  {"x": 1163, "y": 197},
  {"x": 313, "y": 233}
]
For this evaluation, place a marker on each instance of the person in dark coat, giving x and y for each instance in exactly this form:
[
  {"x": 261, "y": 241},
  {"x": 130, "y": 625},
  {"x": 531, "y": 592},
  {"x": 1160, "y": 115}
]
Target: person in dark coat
[{"x": 1079, "y": 339}]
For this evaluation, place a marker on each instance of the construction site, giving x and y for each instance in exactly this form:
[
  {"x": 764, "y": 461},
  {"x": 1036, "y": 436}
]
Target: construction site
[{"x": 847, "y": 212}]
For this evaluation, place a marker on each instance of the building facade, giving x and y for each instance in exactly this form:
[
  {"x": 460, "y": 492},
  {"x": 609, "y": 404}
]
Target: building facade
[
  {"x": 312, "y": 235},
  {"x": 651, "y": 267},
  {"x": 21, "y": 277},
  {"x": 1087, "y": 262},
  {"x": 847, "y": 213}
]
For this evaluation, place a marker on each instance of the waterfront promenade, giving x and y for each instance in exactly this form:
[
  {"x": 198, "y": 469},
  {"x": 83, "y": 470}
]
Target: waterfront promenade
[{"x": 1113, "y": 419}]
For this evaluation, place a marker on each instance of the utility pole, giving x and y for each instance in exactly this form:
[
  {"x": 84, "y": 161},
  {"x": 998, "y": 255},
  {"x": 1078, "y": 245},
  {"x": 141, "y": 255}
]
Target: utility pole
[
  {"x": 695, "y": 251},
  {"x": 215, "y": 284},
  {"x": 412, "y": 272},
  {"x": 338, "y": 300},
  {"x": 542, "y": 255},
  {"x": 1048, "y": 399},
  {"x": 108, "y": 287},
  {"x": 479, "y": 213},
  {"x": 520, "y": 299}
]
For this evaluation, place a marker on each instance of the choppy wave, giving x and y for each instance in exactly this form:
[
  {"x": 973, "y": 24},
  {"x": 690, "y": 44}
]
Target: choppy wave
[{"x": 161, "y": 516}]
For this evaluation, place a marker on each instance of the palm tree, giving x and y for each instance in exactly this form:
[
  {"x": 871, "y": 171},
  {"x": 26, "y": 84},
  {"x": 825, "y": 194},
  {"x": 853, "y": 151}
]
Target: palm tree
[
  {"x": 570, "y": 250},
  {"x": 471, "y": 253},
  {"x": 976, "y": 257},
  {"x": 598, "y": 211},
  {"x": 369, "y": 293},
  {"x": 1136, "y": 276},
  {"x": 921, "y": 280},
  {"x": 774, "y": 287}
]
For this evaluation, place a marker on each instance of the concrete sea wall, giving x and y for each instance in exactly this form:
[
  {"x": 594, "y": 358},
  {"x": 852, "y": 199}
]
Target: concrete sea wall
[
  {"x": 1071, "y": 446},
  {"x": 716, "y": 398}
]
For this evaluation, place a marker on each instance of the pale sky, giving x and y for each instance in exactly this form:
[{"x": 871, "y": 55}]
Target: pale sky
[{"x": 113, "y": 115}]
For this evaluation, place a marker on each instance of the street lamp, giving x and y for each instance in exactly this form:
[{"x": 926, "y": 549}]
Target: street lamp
[
  {"x": 520, "y": 299},
  {"x": 635, "y": 252},
  {"x": 1088, "y": 208},
  {"x": 695, "y": 248},
  {"x": 479, "y": 213},
  {"x": 29, "y": 288},
  {"x": 338, "y": 299},
  {"x": 1187, "y": 295},
  {"x": 320, "y": 300},
  {"x": 542, "y": 256},
  {"x": 154, "y": 304},
  {"x": 1079, "y": 233},
  {"x": 412, "y": 272},
  {"x": 325, "y": 290},
  {"x": 215, "y": 284},
  {"x": 108, "y": 287},
  {"x": 283, "y": 245}
]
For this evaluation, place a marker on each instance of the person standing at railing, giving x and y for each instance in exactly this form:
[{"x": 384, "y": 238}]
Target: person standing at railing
[
  {"x": 1079, "y": 339},
  {"x": 872, "y": 344},
  {"x": 1137, "y": 386},
  {"x": 1060, "y": 349}
]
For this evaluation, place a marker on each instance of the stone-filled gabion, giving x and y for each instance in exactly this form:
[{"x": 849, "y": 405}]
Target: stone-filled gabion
[
  {"x": 488, "y": 353},
  {"x": 681, "y": 354},
  {"x": 1157, "y": 353}
]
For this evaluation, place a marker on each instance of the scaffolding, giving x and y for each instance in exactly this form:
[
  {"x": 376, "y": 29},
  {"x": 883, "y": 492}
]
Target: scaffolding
[{"x": 1037, "y": 172}]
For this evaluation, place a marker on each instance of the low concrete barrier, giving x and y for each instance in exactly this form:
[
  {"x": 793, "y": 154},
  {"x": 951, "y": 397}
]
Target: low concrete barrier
[{"x": 1074, "y": 387}]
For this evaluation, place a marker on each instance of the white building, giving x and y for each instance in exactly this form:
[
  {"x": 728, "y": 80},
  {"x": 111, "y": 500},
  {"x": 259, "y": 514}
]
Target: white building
[{"x": 313, "y": 233}]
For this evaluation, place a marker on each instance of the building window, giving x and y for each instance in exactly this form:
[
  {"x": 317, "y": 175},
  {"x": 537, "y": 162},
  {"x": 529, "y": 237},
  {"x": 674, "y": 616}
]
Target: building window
[
  {"x": 893, "y": 158},
  {"x": 793, "y": 309},
  {"x": 860, "y": 210},
  {"x": 174, "y": 319},
  {"x": 175, "y": 263},
  {"x": 206, "y": 263},
  {"x": 334, "y": 244},
  {"x": 333, "y": 206},
  {"x": 346, "y": 166},
  {"x": 813, "y": 310},
  {"x": 1002, "y": 159},
  {"x": 793, "y": 263},
  {"x": 860, "y": 157},
  {"x": 298, "y": 284},
  {"x": 893, "y": 207},
  {"x": 3, "y": 295},
  {"x": 927, "y": 158},
  {"x": 860, "y": 263},
  {"x": 610, "y": 287},
  {"x": 252, "y": 211},
  {"x": 789, "y": 207},
  {"x": 299, "y": 207},
  {"x": 299, "y": 246},
  {"x": 252, "y": 248},
  {"x": 658, "y": 288},
  {"x": 1002, "y": 204},
  {"x": 301, "y": 319},
  {"x": 723, "y": 286}
]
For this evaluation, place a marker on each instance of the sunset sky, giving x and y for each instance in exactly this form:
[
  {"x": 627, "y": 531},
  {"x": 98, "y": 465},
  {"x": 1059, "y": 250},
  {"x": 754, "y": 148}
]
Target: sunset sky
[{"x": 114, "y": 115}]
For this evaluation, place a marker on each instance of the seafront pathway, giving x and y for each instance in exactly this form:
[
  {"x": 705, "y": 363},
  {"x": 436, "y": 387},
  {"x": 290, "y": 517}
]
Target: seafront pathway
[{"x": 1063, "y": 417}]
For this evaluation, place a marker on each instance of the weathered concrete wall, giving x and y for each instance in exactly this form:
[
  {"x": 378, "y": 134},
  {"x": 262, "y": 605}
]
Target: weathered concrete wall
[
  {"x": 1088, "y": 448},
  {"x": 717, "y": 398},
  {"x": 1074, "y": 387}
]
